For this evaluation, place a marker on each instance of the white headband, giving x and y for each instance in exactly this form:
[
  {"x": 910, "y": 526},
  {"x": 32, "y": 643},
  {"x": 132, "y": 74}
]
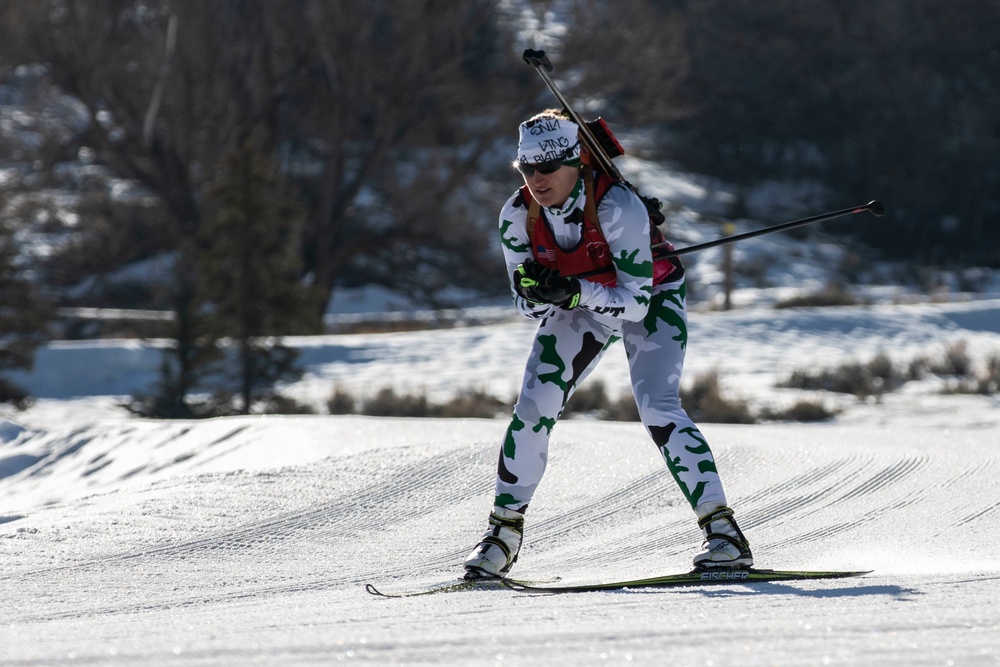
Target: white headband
[{"x": 545, "y": 139}]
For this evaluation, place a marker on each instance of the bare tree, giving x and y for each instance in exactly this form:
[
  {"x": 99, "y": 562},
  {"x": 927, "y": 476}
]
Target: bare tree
[
  {"x": 409, "y": 96},
  {"x": 170, "y": 88},
  {"x": 884, "y": 98},
  {"x": 353, "y": 100},
  {"x": 630, "y": 58}
]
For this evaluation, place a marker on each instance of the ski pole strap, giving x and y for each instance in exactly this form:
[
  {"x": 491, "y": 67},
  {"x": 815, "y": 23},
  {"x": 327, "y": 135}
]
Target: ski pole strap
[{"x": 534, "y": 210}]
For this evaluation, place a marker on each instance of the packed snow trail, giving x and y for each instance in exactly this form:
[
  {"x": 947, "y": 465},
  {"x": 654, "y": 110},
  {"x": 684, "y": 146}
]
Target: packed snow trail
[{"x": 252, "y": 539}]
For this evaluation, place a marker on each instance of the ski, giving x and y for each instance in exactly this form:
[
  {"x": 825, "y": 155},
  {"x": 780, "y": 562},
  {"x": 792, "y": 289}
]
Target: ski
[
  {"x": 452, "y": 586},
  {"x": 693, "y": 578}
]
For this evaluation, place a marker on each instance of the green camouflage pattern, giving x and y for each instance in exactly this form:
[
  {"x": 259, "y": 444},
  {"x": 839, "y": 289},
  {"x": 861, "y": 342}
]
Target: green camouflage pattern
[{"x": 567, "y": 347}]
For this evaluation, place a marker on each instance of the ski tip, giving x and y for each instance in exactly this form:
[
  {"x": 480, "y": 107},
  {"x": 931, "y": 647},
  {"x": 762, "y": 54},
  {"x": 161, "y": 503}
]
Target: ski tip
[
  {"x": 374, "y": 591},
  {"x": 811, "y": 574}
]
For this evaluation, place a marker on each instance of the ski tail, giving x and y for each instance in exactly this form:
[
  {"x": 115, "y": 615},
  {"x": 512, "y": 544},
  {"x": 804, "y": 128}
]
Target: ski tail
[{"x": 452, "y": 585}]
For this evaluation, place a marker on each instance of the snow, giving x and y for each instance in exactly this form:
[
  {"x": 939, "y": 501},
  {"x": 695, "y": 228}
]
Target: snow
[{"x": 249, "y": 540}]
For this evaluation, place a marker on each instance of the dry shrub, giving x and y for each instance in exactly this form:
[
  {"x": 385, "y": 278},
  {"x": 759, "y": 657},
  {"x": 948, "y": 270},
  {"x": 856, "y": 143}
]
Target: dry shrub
[
  {"x": 475, "y": 404},
  {"x": 386, "y": 402},
  {"x": 874, "y": 378},
  {"x": 592, "y": 399},
  {"x": 589, "y": 398},
  {"x": 956, "y": 361},
  {"x": 622, "y": 410},
  {"x": 279, "y": 404},
  {"x": 803, "y": 410},
  {"x": 832, "y": 295},
  {"x": 341, "y": 402},
  {"x": 989, "y": 383},
  {"x": 880, "y": 375},
  {"x": 705, "y": 402},
  {"x": 986, "y": 383}
]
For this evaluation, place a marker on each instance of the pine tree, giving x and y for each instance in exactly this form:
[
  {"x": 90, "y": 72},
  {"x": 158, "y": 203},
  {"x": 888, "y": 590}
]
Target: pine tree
[
  {"x": 248, "y": 272},
  {"x": 195, "y": 354},
  {"x": 25, "y": 314}
]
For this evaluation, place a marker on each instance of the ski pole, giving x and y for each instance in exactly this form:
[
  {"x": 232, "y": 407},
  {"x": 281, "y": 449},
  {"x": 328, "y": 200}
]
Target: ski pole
[
  {"x": 873, "y": 207},
  {"x": 538, "y": 60}
]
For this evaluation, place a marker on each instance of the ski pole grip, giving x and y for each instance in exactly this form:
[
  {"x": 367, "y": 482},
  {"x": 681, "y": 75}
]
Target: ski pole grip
[{"x": 537, "y": 59}]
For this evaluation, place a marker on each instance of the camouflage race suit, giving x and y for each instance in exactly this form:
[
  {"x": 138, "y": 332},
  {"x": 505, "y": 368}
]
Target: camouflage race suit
[{"x": 651, "y": 322}]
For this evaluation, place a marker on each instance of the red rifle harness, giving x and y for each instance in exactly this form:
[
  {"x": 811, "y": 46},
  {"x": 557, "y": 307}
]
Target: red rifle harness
[{"x": 591, "y": 253}]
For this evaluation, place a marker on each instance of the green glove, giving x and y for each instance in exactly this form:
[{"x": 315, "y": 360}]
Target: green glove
[{"x": 539, "y": 284}]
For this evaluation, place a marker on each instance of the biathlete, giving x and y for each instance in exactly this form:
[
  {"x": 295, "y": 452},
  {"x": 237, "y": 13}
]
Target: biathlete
[{"x": 566, "y": 221}]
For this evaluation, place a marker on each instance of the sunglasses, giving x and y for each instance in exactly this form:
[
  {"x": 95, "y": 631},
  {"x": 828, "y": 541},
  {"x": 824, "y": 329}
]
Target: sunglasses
[{"x": 549, "y": 166}]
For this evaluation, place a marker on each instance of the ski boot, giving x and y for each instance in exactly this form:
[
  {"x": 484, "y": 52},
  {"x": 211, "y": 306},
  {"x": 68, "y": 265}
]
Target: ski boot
[
  {"x": 725, "y": 546},
  {"x": 497, "y": 551}
]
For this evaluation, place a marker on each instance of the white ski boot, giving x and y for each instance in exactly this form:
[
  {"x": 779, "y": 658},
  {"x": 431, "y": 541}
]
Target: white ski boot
[
  {"x": 497, "y": 551},
  {"x": 725, "y": 546}
]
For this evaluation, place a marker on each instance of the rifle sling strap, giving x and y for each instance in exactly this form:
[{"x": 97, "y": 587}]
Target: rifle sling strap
[{"x": 589, "y": 207}]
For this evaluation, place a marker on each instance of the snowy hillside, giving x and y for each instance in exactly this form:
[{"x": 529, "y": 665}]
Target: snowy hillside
[{"x": 249, "y": 540}]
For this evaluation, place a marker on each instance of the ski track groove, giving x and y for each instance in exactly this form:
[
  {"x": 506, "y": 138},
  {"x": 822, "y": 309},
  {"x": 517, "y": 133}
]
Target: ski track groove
[
  {"x": 866, "y": 483},
  {"x": 761, "y": 508},
  {"x": 861, "y": 477},
  {"x": 646, "y": 488},
  {"x": 678, "y": 541},
  {"x": 675, "y": 537},
  {"x": 886, "y": 480},
  {"x": 890, "y": 474},
  {"x": 337, "y": 517},
  {"x": 193, "y": 600},
  {"x": 979, "y": 514},
  {"x": 440, "y": 476}
]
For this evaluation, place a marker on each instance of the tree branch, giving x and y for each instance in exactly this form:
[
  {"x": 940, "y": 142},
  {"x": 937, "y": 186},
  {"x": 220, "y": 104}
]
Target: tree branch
[{"x": 157, "y": 99}]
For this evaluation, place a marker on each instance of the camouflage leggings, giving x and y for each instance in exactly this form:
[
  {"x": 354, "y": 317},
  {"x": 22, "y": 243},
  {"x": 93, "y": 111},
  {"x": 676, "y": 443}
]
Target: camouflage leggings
[{"x": 567, "y": 347}]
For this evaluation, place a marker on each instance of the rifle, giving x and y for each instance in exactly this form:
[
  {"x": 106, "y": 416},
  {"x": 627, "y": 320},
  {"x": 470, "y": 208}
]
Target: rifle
[{"x": 596, "y": 137}]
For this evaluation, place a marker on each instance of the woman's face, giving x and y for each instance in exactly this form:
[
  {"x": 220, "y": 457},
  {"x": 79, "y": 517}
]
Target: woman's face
[{"x": 552, "y": 189}]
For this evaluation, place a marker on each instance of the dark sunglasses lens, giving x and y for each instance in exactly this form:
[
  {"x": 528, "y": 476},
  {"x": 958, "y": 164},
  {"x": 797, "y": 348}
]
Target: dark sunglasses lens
[{"x": 547, "y": 167}]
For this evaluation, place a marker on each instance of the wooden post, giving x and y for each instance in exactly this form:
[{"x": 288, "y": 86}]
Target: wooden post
[{"x": 727, "y": 266}]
